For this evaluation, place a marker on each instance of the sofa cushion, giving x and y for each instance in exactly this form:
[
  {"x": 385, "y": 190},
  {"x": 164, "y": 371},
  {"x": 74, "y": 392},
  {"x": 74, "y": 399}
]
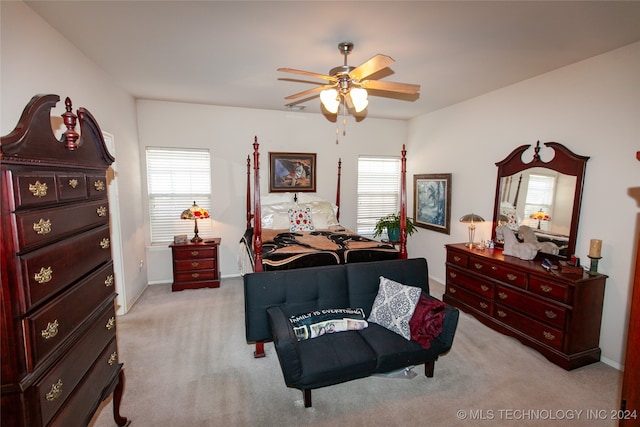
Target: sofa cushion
[
  {"x": 316, "y": 323},
  {"x": 394, "y": 305}
]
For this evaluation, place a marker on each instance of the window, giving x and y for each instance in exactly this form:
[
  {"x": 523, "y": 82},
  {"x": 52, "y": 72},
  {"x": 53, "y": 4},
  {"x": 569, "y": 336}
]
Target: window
[
  {"x": 175, "y": 179},
  {"x": 378, "y": 190},
  {"x": 540, "y": 194}
]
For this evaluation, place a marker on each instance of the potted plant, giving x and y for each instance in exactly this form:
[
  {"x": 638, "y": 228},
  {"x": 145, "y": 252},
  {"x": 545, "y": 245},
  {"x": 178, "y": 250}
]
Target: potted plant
[{"x": 391, "y": 223}]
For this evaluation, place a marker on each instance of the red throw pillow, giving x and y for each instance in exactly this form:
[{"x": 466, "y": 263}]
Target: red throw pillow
[{"x": 426, "y": 322}]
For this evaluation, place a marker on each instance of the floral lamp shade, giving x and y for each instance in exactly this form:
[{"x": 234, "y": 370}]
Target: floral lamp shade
[
  {"x": 540, "y": 216},
  {"x": 195, "y": 213}
]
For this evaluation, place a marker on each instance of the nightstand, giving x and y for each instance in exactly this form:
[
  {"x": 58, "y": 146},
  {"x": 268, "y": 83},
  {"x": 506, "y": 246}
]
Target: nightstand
[{"x": 195, "y": 265}]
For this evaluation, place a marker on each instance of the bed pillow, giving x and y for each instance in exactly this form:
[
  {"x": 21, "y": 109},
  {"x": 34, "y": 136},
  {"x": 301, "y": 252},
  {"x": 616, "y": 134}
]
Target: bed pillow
[
  {"x": 276, "y": 216},
  {"x": 300, "y": 219},
  {"x": 322, "y": 213},
  {"x": 319, "y": 322},
  {"x": 394, "y": 306}
]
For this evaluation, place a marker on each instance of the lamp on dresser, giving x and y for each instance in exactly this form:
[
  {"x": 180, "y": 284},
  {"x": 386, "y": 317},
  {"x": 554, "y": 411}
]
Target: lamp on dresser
[
  {"x": 195, "y": 212},
  {"x": 471, "y": 219}
]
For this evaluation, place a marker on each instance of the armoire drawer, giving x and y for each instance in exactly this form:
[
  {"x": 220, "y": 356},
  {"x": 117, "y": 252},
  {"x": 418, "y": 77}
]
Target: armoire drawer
[
  {"x": 548, "y": 313},
  {"x": 60, "y": 381},
  {"x": 51, "y": 325},
  {"x": 532, "y": 328},
  {"x": 48, "y": 270},
  {"x": 498, "y": 272},
  {"x": 97, "y": 185},
  {"x": 469, "y": 282},
  {"x": 34, "y": 189},
  {"x": 72, "y": 186}
]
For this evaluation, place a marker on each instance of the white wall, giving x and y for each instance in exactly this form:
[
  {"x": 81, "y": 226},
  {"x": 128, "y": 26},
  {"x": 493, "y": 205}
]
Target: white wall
[
  {"x": 229, "y": 134},
  {"x": 593, "y": 108},
  {"x": 36, "y": 59}
]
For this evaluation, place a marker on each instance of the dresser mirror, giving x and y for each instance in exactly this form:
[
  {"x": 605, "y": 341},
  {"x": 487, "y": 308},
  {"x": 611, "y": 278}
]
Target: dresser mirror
[{"x": 540, "y": 198}]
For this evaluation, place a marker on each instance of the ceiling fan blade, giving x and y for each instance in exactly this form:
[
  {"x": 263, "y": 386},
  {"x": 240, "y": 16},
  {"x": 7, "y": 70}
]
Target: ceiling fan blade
[
  {"x": 308, "y": 92},
  {"x": 307, "y": 73},
  {"x": 390, "y": 86},
  {"x": 373, "y": 65}
]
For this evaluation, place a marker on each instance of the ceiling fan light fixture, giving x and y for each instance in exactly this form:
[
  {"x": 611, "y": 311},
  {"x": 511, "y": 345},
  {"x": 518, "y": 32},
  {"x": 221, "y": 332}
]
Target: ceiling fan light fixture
[
  {"x": 329, "y": 98},
  {"x": 359, "y": 98}
]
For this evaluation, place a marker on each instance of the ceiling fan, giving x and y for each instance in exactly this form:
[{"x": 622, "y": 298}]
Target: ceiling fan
[{"x": 347, "y": 85}]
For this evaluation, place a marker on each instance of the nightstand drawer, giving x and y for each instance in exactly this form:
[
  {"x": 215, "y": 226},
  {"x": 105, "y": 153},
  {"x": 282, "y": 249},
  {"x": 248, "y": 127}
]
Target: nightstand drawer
[
  {"x": 191, "y": 276},
  {"x": 189, "y": 253},
  {"x": 196, "y": 264}
]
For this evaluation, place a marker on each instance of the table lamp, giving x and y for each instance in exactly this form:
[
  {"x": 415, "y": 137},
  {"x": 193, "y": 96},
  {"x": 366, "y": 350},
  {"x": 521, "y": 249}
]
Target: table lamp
[
  {"x": 471, "y": 219},
  {"x": 540, "y": 216},
  {"x": 195, "y": 213}
]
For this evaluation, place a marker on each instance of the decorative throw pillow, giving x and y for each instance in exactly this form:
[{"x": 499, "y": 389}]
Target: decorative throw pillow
[
  {"x": 394, "y": 306},
  {"x": 300, "y": 219},
  {"x": 327, "y": 321}
]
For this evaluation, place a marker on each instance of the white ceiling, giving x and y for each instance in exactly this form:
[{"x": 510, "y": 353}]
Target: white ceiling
[{"x": 227, "y": 53}]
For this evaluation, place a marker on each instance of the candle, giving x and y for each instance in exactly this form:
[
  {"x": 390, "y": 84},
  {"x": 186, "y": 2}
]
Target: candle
[{"x": 595, "y": 248}]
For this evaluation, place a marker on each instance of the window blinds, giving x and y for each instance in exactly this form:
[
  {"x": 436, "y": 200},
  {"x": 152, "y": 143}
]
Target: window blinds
[{"x": 378, "y": 191}]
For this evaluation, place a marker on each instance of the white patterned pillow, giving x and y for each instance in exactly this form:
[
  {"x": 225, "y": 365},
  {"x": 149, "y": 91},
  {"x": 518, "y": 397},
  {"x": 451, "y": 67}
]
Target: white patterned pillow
[
  {"x": 300, "y": 219},
  {"x": 394, "y": 306}
]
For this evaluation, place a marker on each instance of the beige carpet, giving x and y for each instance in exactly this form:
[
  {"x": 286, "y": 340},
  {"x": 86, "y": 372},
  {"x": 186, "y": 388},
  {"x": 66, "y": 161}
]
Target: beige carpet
[{"x": 187, "y": 364}]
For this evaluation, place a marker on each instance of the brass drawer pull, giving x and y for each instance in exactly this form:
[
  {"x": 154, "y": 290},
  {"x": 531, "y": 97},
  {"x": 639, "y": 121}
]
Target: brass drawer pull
[
  {"x": 502, "y": 295},
  {"x": 101, "y": 211},
  {"x": 452, "y": 275},
  {"x": 99, "y": 185},
  {"x": 511, "y": 277},
  {"x": 195, "y": 275},
  {"x": 452, "y": 290},
  {"x": 456, "y": 258},
  {"x": 502, "y": 313},
  {"x": 548, "y": 335},
  {"x": 478, "y": 266},
  {"x": 42, "y": 227},
  {"x": 550, "y": 314},
  {"x": 195, "y": 264},
  {"x": 483, "y": 305},
  {"x": 105, "y": 243},
  {"x": 111, "y": 323},
  {"x": 55, "y": 392},
  {"x": 44, "y": 275},
  {"x": 494, "y": 268},
  {"x": 545, "y": 288},
  {"x": 51, "y": 330},
  {"x": 484, "y": 288},
  {"x": 108, "y": 282},
  {"x": 38, "y": 189},
  {"x": 195, "y": 253},
  {"x": 73, "y": 183},
  {"x": 113, "y": 358}
]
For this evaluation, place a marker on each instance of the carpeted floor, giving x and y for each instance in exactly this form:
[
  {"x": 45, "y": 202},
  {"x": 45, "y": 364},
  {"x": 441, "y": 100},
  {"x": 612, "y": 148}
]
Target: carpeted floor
[{"x": 187, "y": 364}]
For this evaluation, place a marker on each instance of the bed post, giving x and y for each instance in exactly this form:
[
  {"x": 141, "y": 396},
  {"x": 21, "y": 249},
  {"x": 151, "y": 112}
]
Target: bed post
[
  {"x": 249, "y": 192},
  {"x": 257, "y": 217},
  {"x": 403, "y": 205},
  {"x": 338, "y": 190}
]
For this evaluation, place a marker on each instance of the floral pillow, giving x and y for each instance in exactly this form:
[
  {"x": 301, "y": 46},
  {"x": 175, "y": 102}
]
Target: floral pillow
[
  {"x": 300, "y": 219},
  {"x": 394, "y": 306}
]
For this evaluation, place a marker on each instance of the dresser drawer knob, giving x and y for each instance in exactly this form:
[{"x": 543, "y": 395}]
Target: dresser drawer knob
[
  {"x": 550, "y": 314},
  {"x": 42, "y": 227},
  {"x": 195, "y": 275},
  {"x": 101, "y": 211},
  {"x": 108, "y": 282},
  {"x": 44, "y": 275},
  {"x": 545, "y": 288},
  {"x": 105, "y": 243},
  {"x": 55, "y": 392},
  {"x": 502, "y": 313},
  {"x": 195, "y": 264},
  {"x": 112, "y": 358},
  {"x": 99, "y": 185},
  {"x": 452, "y": 290},
  {"x": 51, "y": 330},
  {"x": 38, "y": 189},
  {"x": 511, "y": 277},
  {"x": 456, "y": 258},
  {"x": 73, "y": 183},
  {"x": 478, "y": 266},
  {"x": 111, "y": 323},
  {"x": 483, "y": 305},
  {"x": 502, "y": 295},
  {"x": 549, "y": 335},
  {"x": 195, "y": 253},
  {"x": 494, "y": 268},
  {"x": 452, "y": 275},
  {"x": 485, "y": 288}
]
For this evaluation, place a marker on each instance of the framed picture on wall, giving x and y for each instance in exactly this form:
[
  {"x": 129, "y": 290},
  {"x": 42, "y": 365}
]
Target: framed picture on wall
[
  {"x": 292, "y": 172},
  {"x": 432, "y": 201}
]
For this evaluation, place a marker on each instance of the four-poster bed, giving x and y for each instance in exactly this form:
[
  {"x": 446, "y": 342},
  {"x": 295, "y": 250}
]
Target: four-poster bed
[{"x": 272, "y": 242}]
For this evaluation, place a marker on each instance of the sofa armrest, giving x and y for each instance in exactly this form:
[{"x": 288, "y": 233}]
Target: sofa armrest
[
  {"x": 449, "y": 325},
  {"x": 286, "y": 344}
]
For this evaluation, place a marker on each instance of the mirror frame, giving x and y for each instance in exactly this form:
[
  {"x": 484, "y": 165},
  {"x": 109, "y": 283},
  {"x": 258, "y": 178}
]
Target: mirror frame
[{"x": 564, "y": 161}]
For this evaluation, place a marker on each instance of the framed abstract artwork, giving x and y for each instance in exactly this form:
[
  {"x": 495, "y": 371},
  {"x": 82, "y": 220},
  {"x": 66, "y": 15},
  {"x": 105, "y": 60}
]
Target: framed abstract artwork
[
  {"x": 292, "y": 172},
  {"x": 432, "y": 201}
]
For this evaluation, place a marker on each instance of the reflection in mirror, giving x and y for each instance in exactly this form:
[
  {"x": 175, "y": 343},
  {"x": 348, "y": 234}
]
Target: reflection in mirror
[{"x": 540, "y": 201}]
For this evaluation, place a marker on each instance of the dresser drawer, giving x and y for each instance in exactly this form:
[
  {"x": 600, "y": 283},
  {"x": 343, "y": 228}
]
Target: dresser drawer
[
  {"x": 58, "y": 384},
  {"x": 56, "y": 321},
  {"x": 498, "y": 272},
  {"x": 42, "y": 226},
  {"x": 77, "y": 410},
  {"x": 50, "y": 269},
  {"x": 189, "y": 253},
  {"x": 72, "y": 186},
  {"x": 536, "y": 330},
  {"x": 97, "y": 185},
  {"x": 474, "y": 301},
  {"x": 557, "y": 291},
  {"x": 197, "y": 264},
  {"x": 548, "y": 313},
  {"x": 469, "y": 282},
  {"x": 457, "y": 258},
  {"x": 33, "y": 189}
]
